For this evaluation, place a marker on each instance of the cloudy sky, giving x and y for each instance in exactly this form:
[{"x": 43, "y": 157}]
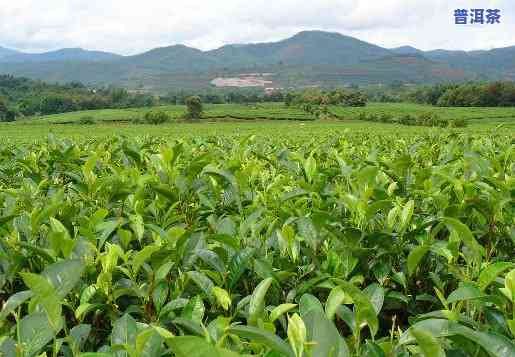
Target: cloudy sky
[{"x": 133, "y": 26}]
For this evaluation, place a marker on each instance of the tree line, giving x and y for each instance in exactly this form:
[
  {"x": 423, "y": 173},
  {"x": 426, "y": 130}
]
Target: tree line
[
  {"x": 493, "y": 94},
  {"x": 25, "y": 97},
  {"x": 317, "y": 102},
  {"x": 224, "y": 96},
  {"x": 352, "y": 98}
]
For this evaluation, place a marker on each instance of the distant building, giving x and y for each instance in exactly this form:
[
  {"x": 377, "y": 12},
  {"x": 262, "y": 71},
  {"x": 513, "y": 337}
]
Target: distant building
[{"x": 271, "y": 90}]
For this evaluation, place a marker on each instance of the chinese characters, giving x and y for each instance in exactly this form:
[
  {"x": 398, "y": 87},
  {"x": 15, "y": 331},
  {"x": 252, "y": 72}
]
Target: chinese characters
[{"x": 477, "y": 16}]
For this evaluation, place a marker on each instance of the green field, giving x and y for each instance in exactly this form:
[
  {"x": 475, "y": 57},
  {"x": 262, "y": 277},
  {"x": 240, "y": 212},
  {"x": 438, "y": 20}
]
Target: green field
[
  {"x": 276, "y": 111},
  {"x": 272, "y": 238},
  {"x": 279, "y": 111},
  {"x": 27, "y": 133},
  {"x": 491, "y": 116},
  {"x": 231, "y": 119}
]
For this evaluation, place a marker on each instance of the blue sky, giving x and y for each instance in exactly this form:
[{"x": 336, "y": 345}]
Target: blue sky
[{"x": 133, "y": 26}]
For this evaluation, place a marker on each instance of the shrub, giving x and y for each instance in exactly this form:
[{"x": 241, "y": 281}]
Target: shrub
[
  {"x": 386, "y": 118},
  {"x": 156, "y": 117},
  {"x": 406, "y": 119},
  {"x": 6, "y": 114},
  {"x": 355, "y": 99},
  {"x": 362, "y": 116},
  {"x": 430, "y": 119},
  {"x": 132, "y": 253},
  {"x": 194, "y": 107},
  {"x": 458, "y": 123},
  {"x": 137, "y": 120},
  {"x": 373, "y": 117},
  {"x": 87, "y": 120}
]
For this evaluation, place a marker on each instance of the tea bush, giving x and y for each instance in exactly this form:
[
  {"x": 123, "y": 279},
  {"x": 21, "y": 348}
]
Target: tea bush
[{"x": 346, "y": 245}]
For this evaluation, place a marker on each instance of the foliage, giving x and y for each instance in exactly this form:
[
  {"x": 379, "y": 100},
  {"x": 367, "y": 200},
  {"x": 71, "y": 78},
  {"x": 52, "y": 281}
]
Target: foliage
[
  {"x": 487, "y": 117},
  {"x": 6, "y": 114},
  {"x": 28, "y": 97},
  {"x": 423, "y": 119},
  {"x": 224, "y": 96},
  {"x": 193, "y": 107},
  {"x": 346, "y": 245},
  {"x": 351, "y": 98},
  {"x": 87, "y": 120},
  {"x": 316, "y": 102},
  {"x": 493, "y": 94},
  {"x": 308, "y": 58},
  {"x": 156, "y": 117}
]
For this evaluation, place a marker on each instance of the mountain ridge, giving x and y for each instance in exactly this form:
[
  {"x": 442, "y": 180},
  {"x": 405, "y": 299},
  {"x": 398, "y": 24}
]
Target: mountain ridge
[
  {"x": 4, "y": 51},
  {"x": 63, "y": 54},
  {"x": 297, "y": 35},
  {"x": 308, "y": 58}
]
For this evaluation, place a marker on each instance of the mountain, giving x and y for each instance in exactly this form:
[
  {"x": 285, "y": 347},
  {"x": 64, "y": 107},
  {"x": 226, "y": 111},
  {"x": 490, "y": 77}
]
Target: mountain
[
  {"x": 65, "y": 54},
  {"x": 7, "y": 52},
  {"x": 176, "y": 58},
  {"x": 305, "y": 48},
  {"x": 309, "y": 58},
  {"x": 497, "y": 63},
  {"x": 406, "y": 50}
]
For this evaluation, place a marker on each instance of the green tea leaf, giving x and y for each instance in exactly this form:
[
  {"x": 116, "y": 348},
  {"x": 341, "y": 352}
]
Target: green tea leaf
[
  {"x": 491, "y": 272},
  {"x": 320, "y": 330},
  {"x": 297, "y": 334},
  {"x": 266, "y": 338},
  {"x": 280, "y": 310},
  {"x": 428, "y": 343},
  {"x": 464, "y": 234},
  {"x": 14, "y": 302},
  {"x": 336, "y": 297},
  {"x": 365, "y": 312},
  {"x": 257, "y": 301},
  {"x": 466, "y": 291},
  {"x": 35, "y": 333},
  {"x": 191, "y": 346},
  {"x": 124, "y": 333},
  {"x": 222, "y": 297},
  {"x": 415, "y": 256}
]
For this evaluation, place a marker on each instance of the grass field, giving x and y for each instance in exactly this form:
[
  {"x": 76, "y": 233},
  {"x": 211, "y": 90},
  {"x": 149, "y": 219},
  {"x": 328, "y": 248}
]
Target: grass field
[
  {"x": 221, "y": 120},
  {"x": 279, "y": 111},
  {"x": 19, "y": 133},
  {"x": 275, "y": 111},
  {"x": 492, "y": 116}
]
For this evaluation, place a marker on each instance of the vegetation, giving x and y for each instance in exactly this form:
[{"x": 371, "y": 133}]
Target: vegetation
[
  {"x": 334, "y": 237},
  {"x": 278, "y": 111},
  {"x": 396, "y": 111},
  {"x": 494, "y": 94},
  {"x": 351, "y": 98},
  {"x": 6, "y": 114},
  {"x": 26, "y": 132},
  {"x": 224, "y": 96},
  {"x": 87, "y": 120},
  {"x": 272, "y": 111},
  {"x": 23, "y": 97},
  {"x": 316, "y": 102},
  {"x": 353, "y": 244},
  {"x": 423, "y": 119},
  {"x": 193, "y": 107},
  {"x": 156, "y": 117},
  {"x": 26, "y": 97},
  {"x": 309, "y": 58}
]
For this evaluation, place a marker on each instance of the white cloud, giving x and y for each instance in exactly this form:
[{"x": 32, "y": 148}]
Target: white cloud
[{"x": 129, "y": 26}]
